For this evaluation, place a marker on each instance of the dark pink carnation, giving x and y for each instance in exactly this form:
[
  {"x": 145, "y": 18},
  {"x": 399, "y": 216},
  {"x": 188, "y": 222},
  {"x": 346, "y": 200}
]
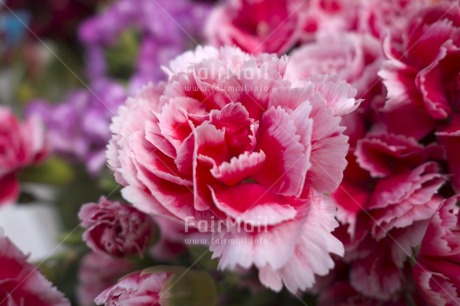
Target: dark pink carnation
[
  {"x": 386, "y": 154},
  {"x": 271, "y": 26},
  {"x": 387, "y": 218},
  {"x": 422, "y": 76},
  {"x": 423, "y": 63},
  {"x": 382, "y": 17},
  {"x": 115, "y": 228},
  {"x": 228, "y": 137},
  {"x": 96, "y": 273},
  {"x": 437, "y": 271},
  {"x": 21, "y": 283},
  {"x": 22, "y": 144}
]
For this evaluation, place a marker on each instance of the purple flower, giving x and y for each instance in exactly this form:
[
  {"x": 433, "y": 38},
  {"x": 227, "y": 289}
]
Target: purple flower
[
  {"x": 114, "y": 228},
  {"x": 78, "y": 128},
  {"x": 166, "y": 29}
]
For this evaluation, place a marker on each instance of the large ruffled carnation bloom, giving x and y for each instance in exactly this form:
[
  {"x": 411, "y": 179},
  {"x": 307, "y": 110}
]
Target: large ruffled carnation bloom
[
  {"x": 21, "y": 283},
  {"x": 228, "y": 138},
  {"x": 22, "y": 144},
  {"x": 437, "y": 271}
]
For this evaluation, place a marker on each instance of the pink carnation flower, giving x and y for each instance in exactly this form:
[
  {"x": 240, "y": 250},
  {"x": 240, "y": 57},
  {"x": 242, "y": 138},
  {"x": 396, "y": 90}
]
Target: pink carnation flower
[
  {"x": 229, "y": 138},
  {"x": 21, "y": 145},
  {"x": 161, "y": 286},
  {"x": 380, "y": 18},
  {"x": 323, "y": 17},
  {"x": 21, "y": 283},
  {"x": 114, "y": 228},
  {"x": 387, "y": 215},
  {"x": 138, "y": 288},
  {"x": 96, "y": 273},
  {"x": 437, "y": 271},
  {"x": 351, "y": 57},
  {"x": 422, "y": 78},
  {"x": 256, "y": 26}
]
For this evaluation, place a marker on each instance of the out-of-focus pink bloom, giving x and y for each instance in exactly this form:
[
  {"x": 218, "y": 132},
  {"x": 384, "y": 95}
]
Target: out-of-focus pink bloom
[
  {"x": 437, "y": 271},
  {"x": 351, "y": 57},
  {"x": 22, "y": 144},
  {"x": 271, "y": 26},
  {"x": 323, "y": 17},
  {"x": 379, "y": 18},
  {"x": 115, "y": 228},
  {"x": 97, "y": 272},
  {"x": 229, "y": 138},
  {"x": 21, "y": 283}
]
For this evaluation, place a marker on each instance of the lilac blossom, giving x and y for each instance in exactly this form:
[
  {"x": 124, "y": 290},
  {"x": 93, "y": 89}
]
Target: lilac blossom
[
  {"x": 166, "y": 29},
  {"x": 78, "y": 127}
]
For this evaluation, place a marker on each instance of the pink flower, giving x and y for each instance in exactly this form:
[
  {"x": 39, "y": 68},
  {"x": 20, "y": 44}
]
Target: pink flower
[
  {"x": 382, "y": 17},
  {"x": 96, "y": 273},
  {"x": 21, "y": 283},
  {"x": 229, "y": 138},
  {"x": 114, "y": 228},
  {"x": 422, "y": 67},
  {"x": 21, "y": 145},
  {"x": 320, "y": 17},
  {"x": 138, "y": 288},
  {"x": 161, "y": 286},
  {"x": 422, "y": 78},
  {"x": 386, "y": 154},
  {"x": 379, "y": 156},
  {"x": 271, "y": 26},
  {"x": 351, "y": 57},
  {"x": 387, "y": 215},
  {"x": 437, "y": 271}
]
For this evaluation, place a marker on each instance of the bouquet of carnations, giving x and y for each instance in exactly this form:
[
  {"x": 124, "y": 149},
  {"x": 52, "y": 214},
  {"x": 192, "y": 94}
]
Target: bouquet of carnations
[{"x": 234, "y": 152}]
